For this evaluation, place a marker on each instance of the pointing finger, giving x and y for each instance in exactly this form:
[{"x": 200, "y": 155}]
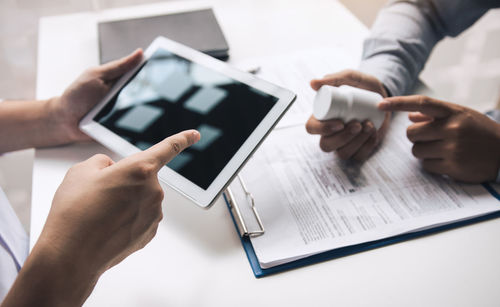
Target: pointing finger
[
  {"x": 417, "y": 103},
  {"x": 164, "y": 151}
]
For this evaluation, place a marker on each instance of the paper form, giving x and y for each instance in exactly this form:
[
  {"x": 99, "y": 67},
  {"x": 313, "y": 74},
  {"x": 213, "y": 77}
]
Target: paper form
[
  {"x": 294, "y": 71},
  {"x": 310, "y": 201}
]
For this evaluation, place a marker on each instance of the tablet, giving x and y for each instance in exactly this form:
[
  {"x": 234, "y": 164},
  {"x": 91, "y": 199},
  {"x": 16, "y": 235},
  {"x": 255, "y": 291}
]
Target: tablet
[{"x": 177, "y": 88}]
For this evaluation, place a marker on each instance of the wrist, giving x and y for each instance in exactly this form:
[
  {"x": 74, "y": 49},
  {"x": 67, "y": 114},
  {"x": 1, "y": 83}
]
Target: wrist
[
  {"x": 50, "y": 278},
  {"x": 58, "y": 277},
  {"x": 60, "y": 123}
]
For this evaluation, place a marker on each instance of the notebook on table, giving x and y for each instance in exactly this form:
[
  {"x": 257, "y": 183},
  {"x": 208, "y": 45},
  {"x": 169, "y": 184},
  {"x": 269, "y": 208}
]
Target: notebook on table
[{"x": 197, "y": 29}]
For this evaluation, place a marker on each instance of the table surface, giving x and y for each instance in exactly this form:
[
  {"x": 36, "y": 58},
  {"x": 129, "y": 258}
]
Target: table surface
[{"x": 196, "y": 258}]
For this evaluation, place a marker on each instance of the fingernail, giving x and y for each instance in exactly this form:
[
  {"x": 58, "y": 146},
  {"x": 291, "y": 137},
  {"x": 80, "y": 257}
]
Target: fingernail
[
  {"x": 336, "y": 127},
  {"x": 196, "y": 136},
  {"x": 355, "y": 129},
  {"x": 314, "y": 84},
  {"x": 368, "y": 127}
]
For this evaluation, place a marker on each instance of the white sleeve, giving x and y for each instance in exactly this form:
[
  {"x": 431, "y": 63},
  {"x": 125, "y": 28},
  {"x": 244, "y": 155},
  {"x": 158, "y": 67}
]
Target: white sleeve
[
  {"x": 14, "y": 245},
  {"x": 8, "y": 270}
]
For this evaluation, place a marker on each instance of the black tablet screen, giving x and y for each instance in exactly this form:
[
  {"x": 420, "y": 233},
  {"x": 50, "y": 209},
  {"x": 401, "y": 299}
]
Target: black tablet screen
[{"x": 170, "y": 94}]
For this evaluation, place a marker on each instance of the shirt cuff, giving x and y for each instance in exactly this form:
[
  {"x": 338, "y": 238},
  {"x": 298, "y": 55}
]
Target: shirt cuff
[{"x": 494, "y": 115}]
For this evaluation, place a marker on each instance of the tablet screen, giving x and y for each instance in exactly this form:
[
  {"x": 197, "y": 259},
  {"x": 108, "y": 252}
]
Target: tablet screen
[{"x": 170, "y": 94}]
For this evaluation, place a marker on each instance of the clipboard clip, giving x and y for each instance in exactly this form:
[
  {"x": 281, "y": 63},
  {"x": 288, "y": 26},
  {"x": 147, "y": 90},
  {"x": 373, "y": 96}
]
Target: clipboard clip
[{"x": 238, "y": 216}]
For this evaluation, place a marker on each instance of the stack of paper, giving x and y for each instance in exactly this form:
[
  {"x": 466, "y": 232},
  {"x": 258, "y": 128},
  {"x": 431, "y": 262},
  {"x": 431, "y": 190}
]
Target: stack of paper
[{"x": 311, "y": 201}]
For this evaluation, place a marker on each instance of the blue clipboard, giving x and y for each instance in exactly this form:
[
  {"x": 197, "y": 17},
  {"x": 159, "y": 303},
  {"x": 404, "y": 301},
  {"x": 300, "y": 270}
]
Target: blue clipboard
[{"x": 349, "y": 250}]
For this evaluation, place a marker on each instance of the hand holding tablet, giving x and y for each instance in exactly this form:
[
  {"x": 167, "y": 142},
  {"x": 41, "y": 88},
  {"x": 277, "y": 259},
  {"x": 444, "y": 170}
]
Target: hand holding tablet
[{"x": 176, "y": 88}]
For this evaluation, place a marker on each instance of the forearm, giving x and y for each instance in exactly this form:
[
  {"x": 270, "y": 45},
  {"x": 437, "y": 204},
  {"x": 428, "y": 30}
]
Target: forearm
[
  {"x": 26, "y": 124},
  {"x": 399, "y": 44},
  {"x": 49, "y": 279},
  {"x": 405, "y": 33}
]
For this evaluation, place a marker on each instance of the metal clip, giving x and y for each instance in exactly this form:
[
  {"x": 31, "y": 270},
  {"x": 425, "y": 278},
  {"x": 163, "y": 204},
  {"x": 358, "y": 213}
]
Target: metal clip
[{"x": 235, "y": 210}]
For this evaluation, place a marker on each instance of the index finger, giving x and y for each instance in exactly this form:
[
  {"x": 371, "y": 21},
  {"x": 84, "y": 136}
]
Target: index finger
[
  {"x": 417, "y": 103},
  {"x": 164, "y": 151}
]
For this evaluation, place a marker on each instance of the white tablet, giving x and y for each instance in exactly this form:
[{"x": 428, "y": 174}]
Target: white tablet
[{"x": 177, "y": 88}]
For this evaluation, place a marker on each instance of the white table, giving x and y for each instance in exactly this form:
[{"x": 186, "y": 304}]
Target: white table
[{"x": 196, "y": 259}]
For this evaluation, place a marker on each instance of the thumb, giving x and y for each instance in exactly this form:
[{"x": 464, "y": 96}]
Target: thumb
[
  {"x": 115, "y": 69},
  {"x": 316, "y": 84},
  {"x": 352, "y": 78}
]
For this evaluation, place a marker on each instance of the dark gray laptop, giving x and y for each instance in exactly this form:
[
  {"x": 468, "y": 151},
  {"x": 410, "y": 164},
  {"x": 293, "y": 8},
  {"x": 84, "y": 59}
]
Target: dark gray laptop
[{"x": 196, "y": 29}]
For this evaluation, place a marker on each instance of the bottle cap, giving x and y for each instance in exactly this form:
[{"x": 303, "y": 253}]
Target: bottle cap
[{"x": 330, "y": 102}]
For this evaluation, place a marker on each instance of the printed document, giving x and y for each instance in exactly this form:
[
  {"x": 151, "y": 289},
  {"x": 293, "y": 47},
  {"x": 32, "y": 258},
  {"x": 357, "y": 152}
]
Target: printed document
[
  {"x": 294, "y": 71},
  {"x": 311, "y": 201}
]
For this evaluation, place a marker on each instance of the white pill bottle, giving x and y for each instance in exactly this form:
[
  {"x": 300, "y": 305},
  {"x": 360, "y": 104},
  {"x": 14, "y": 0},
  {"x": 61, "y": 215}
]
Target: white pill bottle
[{"x": 348, "y": 103}]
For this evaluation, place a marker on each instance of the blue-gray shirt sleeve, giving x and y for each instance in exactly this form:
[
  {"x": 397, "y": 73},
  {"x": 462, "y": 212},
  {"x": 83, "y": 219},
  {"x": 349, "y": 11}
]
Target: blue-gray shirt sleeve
[{"x": 405, "y": 32}]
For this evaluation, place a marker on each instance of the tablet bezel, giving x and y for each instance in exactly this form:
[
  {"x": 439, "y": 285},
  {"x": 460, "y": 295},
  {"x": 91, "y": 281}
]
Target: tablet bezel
[{"x": 203, "y": 198}]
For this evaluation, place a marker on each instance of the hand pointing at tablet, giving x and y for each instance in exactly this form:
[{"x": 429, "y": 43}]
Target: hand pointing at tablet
[{"x": 102, "y": 212}]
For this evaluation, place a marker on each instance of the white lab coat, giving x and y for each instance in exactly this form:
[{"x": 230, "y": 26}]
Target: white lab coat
[{"x": 14, "y": 245}]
